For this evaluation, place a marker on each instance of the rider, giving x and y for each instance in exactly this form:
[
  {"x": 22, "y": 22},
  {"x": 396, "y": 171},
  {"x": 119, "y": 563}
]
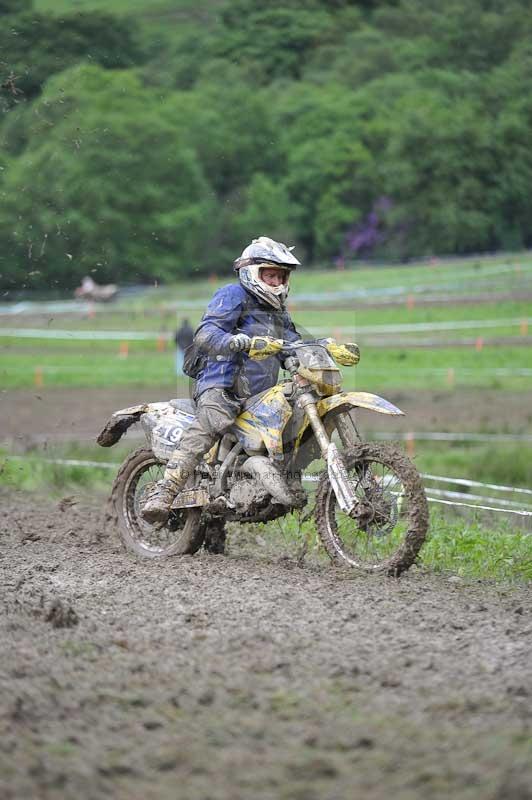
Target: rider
[{"x": 227, "y": 376}]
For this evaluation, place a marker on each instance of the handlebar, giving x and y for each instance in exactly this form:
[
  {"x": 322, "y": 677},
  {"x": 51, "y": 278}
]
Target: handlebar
[{"x": 262, "y": 347}]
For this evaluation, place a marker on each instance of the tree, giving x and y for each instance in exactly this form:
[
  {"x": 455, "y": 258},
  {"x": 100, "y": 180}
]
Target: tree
[
  {"x": 14, "y": 6},
  {"x": 35, "y": 46},
  {"x": 112, "y": 188},
  {"x": 330, "y": 174}
]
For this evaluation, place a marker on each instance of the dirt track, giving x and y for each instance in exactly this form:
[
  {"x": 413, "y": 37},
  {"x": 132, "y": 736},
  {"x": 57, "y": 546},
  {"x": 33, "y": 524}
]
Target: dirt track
[{"x": 247, "y": 676}]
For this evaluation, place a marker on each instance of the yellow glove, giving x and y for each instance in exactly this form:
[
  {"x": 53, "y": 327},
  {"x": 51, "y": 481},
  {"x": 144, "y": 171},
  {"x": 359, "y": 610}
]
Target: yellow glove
[
  {"x": 264, "y": 347},
  {"x": 347, "y": 354}
]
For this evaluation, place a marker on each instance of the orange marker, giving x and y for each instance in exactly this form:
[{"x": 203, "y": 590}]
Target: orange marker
[
  {"x": 479, "y": 344},
  {"x": 39, "y": 377},
  {"x": 410, "y": 302},
  {"x": 410, "y": 444},
  {"x": 123, "y": 350},
  {"x": 450, "y": 377},
  {"x": 161, "y": 344},
  {"x": 523, "y": 328}
]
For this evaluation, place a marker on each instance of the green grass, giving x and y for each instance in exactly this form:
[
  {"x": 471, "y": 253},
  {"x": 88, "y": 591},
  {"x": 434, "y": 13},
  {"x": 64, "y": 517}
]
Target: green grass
[
  {"x": 503, "y": 464},
  {"x": 471, "y": 547},
  {"x": 163, "y": 321},
  {"x": 32, "y": 473},
  {"x": 88, "y": 364},
  {"x": 86, "y": 369},
  {"x": 462, "y": 277},
  {"x": 394, "y": 368}
]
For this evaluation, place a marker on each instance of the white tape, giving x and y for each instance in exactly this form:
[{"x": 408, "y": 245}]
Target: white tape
[
  {"x": 415, "y": 327},
  {"x": 466, "y": 482},
  {"x": 484, "y": 508},
  {"x": 46, "y": 333},
  {"x": 453, "y": 437},
  {"x": 395, "y": 330},
  {"x": 467, "y": 496}
]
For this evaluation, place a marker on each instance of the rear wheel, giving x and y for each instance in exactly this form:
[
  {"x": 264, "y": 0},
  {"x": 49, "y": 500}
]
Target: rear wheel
[
  {"x": 389, "y": 523},
  {"x": 183, "y": 533}
]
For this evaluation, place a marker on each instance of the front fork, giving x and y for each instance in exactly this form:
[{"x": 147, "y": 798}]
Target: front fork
[{"x": 335, "y": 464}]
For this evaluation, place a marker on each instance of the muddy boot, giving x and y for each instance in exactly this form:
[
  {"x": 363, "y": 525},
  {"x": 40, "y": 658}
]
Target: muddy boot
[{"x": 156, "y": 507}]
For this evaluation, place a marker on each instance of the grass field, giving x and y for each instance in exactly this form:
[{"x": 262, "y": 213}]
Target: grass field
[
  {"x": 101, "y": 364},
  {"x": 497, "y": 365}
]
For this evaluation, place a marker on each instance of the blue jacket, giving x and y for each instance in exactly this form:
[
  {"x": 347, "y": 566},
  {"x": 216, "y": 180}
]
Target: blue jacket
[{"x": 234, "y": 310}]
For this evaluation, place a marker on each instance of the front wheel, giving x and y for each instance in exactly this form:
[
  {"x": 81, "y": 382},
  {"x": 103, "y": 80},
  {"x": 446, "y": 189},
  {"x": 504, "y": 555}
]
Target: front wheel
[
  {"x": 386, "y": 529},
  {"x": 183, "y": 533}
]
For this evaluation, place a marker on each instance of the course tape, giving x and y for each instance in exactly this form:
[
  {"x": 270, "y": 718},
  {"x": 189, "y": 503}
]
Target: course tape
[
  {"x": 466, "y": 482},
  {"x": 485, "y": 508},
  {"x": 444, "y": 436},
  {"x": 395, "y": 330},
  {"x": 508, "y": 509}
]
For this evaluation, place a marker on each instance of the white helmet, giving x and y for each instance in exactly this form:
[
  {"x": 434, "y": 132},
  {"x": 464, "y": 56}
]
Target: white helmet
[{"x": 261, "y": 254}]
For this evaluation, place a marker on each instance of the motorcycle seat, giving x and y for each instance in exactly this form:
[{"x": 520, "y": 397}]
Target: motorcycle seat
[{"x": 184, "y": 404}]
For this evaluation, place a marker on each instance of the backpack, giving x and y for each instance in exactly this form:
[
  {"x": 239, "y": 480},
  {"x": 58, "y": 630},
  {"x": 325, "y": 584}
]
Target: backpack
[{"x": 195, "y": 359}]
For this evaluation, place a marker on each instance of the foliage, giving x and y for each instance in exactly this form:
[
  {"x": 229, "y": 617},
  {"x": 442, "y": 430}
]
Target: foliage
[
  {"x": 352, "y": 128},
  {"x": 14, "y": 6},
  {"x": 81, "y": 200},
  {"x": 56, "y": 43}
]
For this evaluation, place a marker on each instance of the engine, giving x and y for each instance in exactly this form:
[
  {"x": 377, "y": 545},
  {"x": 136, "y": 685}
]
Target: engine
[{"x": 248, "y": 496}]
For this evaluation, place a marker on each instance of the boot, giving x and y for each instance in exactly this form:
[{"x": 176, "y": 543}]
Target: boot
[{"x": 156, "y": 507}]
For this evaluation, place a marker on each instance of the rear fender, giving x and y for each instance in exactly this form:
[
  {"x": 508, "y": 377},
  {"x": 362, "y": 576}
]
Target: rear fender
[
  {"x": 123, "y": 419},
  {"x": 118, "y": 424}
]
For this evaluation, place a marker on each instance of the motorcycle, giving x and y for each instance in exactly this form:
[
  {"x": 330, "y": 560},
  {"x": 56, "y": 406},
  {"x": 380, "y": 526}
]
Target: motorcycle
[{"x": 370, "y": 512}]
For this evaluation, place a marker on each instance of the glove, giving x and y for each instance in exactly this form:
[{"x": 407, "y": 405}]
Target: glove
[{"x": 240, "y": 342}]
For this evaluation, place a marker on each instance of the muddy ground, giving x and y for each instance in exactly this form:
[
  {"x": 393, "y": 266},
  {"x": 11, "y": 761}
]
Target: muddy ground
[
  {"x": 248, "y": 676},
  {"x": 56, "y": 414}
]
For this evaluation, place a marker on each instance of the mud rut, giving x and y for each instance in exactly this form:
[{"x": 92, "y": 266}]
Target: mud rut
[{"x": 248, "y": 676}]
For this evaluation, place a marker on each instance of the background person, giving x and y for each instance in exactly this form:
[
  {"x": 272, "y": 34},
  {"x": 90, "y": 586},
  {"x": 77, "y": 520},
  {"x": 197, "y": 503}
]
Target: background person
[{"x": 183, "y": 338}]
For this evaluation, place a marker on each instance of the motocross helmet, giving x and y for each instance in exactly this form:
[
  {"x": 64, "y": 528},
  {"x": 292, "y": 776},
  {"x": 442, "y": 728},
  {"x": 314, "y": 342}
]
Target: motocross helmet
[{"x": 264, "y": 253}]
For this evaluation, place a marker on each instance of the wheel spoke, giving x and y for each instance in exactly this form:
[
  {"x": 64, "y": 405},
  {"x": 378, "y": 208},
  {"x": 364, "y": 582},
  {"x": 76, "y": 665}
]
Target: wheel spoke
[
  {"x": 151, "y": 537},
  {"x": 377, "y": 528}
]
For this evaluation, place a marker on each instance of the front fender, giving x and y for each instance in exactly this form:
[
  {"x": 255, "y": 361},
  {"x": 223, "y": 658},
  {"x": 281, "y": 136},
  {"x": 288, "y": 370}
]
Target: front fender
[{"x": 372, "y": 402}]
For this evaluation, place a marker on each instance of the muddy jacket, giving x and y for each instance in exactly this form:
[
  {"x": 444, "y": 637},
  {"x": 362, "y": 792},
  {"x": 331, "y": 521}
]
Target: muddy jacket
[{"x": 233, "y": 310}]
